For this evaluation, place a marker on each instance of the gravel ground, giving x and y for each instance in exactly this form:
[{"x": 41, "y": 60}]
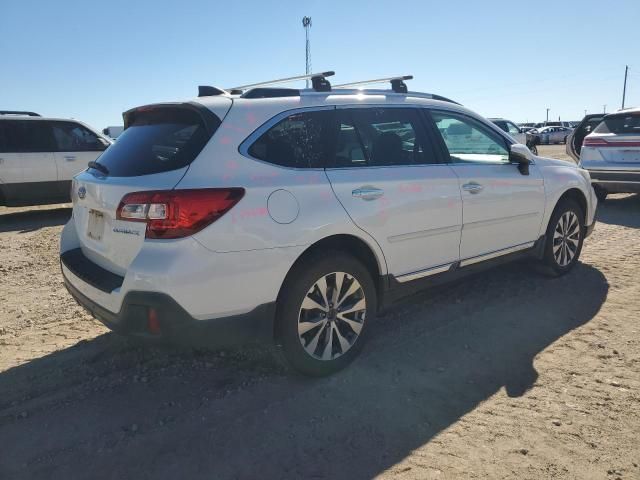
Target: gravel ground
[{"x": 504, "y": 375}]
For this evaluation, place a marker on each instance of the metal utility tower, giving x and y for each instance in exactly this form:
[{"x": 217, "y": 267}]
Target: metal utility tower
[{"x": 306, "y": 23}]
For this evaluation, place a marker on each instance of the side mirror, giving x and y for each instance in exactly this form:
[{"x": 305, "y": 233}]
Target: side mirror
[{"x": 520, "y": 155}]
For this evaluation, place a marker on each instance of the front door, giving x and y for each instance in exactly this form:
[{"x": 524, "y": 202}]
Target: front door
[
  {"x": 387, "y": 177},
  {"x": 502, "y": 209},
  {"x": 76, "y": 146}
]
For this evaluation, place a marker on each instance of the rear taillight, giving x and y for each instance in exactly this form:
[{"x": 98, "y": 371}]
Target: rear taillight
[
  {"x": 177, "y": 213},
  {"x": 594, "y": 142}
]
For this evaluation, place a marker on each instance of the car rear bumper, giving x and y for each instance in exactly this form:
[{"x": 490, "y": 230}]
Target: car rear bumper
[
  {"x": 158, "y": 316},
  {"x": 616, "y": 181}
]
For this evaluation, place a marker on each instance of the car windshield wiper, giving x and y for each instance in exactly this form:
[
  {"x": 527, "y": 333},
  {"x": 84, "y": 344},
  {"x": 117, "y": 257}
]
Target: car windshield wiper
[{"x": 98, "y": 166}]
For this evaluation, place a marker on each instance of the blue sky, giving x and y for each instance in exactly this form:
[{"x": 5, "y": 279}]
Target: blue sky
[{"x": 93, "y": 60}]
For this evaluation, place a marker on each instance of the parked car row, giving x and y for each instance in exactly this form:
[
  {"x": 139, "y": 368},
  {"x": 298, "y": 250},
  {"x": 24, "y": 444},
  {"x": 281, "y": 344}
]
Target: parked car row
[{"x": 296, "y": 216}]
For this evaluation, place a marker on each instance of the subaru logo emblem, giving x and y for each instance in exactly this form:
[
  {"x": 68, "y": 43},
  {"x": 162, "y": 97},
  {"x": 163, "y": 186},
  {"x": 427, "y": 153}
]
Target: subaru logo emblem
[{"x": 82, "y": 192}]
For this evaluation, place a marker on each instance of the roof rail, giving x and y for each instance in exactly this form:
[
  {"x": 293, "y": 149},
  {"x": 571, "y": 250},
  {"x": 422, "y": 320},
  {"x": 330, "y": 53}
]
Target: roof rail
[
  {"x": 397, "y": 83},
  {"x": 17, "y": 112},
  {"x": 318, "y": 81}
]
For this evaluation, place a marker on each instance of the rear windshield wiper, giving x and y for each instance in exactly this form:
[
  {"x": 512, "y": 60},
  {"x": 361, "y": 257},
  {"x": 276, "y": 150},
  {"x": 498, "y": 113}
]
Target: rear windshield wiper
[{"x": 98, "y": 166}]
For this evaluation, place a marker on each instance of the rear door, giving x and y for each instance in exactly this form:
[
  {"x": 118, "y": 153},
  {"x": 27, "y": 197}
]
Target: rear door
[
  {"x": 153, "y": 153},
  {"x": 502, "y": 209},
  {"x": 31, "y": 173},
  {"x": 387, "y": 176},
  {"x": 584, "y": 128}
]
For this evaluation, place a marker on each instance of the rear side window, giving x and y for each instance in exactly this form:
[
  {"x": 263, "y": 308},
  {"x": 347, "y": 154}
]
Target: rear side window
[
  {"x": 620, "y": 123},
  {"x": 25, "y": 136},
  {"x": 73, "y": 137},
  {"x": 381, "y": 137},
  {"x": 157, "y": 140},
  {"x": 298, "y": 141}
]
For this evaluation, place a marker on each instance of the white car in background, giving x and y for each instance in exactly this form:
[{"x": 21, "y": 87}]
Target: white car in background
[
  {"x": 39, "y": 157},
  {"x": 297, "y": 214},
  {"x": 550, "y": 135},
  {"x": 611, "y": 153}
]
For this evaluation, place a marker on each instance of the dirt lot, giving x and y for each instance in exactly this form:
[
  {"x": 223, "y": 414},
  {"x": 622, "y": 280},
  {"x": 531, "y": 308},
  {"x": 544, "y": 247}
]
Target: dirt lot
[{"x": 507, "y": 375}]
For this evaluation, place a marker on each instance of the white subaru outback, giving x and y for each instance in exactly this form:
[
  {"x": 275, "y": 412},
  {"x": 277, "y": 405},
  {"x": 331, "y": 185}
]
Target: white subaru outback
[{"x": 296, "y": 215}]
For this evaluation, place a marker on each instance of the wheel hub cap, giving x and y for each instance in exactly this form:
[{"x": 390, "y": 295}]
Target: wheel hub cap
[
  {"x": 566, "y": 238},
  {"x": 331, "y": 316}
]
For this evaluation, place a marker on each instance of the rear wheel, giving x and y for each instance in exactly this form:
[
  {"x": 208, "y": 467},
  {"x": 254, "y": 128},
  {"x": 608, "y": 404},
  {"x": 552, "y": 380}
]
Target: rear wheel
[
  {"x": 326, "y": 304},
  {"x": 533, "y": 148},
  {"x": 565, "y": 234}
]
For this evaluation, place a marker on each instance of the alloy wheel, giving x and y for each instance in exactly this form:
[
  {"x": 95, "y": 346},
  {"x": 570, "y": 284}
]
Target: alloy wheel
[
  {"x": 331, "y": 316},
  {"x": 566, "y": 238}
]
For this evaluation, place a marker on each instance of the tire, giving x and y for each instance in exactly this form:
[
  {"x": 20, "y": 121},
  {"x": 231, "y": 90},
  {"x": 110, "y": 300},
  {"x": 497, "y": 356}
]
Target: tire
[
  {"x": 601, "y": 194},
  {"x": 533, "y": 149},
  {"x": 306, "y": 347},
  {"x": 565, "y": 140},
  {"x": 564, "y": 237}
]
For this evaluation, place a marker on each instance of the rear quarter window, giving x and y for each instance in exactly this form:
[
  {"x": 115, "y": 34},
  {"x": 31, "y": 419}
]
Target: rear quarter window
[
  {"x": 156, "y": 141},
  {"x": 298, "y": 141}
]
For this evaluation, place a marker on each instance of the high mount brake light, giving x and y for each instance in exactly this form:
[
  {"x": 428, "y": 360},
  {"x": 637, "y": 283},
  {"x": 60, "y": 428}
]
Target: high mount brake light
[{"x": 177, "y": 213}]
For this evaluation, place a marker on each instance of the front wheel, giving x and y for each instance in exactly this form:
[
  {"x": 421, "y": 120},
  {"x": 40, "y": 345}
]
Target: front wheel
[
  {"x": 533, "y": 149},
  {"x": 325, "y": 306},
  {"x": 565, "y": 234}
]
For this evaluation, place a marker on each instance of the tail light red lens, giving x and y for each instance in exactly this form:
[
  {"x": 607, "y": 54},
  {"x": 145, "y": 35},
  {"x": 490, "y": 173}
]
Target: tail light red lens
[
  {"x": 177, "y": 213},
  {"x": 594, "y": 142}
]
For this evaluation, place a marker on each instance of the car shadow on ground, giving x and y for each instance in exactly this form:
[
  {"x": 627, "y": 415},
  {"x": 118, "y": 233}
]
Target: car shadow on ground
[
  {"x": 32, "y": 220},
  {"x": 108, "y": 409},
  {"x": 623, "y": 210}
]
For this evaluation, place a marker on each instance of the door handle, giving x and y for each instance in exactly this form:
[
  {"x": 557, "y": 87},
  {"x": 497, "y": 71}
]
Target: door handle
[
  {"x": 367, "y": 193},
  {"x": 472, "y": 187},
  {"x": 70, "y": 158}
]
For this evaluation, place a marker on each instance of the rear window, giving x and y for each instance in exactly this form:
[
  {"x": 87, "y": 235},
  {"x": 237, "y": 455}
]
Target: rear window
[
  {"x": 620, "y": 123},
  {"x": 157, "y": 141}
]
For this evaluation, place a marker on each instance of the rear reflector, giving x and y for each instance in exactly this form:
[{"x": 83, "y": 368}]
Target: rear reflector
[
  {"x": 177, "y": 213},
  {"x": 152, "y": 322}
]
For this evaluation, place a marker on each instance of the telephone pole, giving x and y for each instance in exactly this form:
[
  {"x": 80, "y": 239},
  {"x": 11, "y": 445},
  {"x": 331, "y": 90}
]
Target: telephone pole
[
  {"x": 547, "y": 116},
  {"x": 306, "y": 23},
  {"x": 624, "y": 88}
]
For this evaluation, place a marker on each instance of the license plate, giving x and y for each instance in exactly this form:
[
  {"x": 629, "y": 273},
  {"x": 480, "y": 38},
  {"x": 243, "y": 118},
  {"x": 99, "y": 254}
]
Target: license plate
[
  {"x": 631, "y": 156},
  {"x": 95, "y": 227}
]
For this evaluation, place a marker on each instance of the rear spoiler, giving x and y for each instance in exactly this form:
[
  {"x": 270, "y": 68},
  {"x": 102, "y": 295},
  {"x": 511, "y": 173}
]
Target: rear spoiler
[{"x": 209, "y": 119}]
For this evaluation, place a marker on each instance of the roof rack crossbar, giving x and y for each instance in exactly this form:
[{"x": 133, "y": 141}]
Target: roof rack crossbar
[
  {"x": 397, "y": 83},
  {"x": 317, "y": 79},
  {"x": 17, "y": 112}
]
